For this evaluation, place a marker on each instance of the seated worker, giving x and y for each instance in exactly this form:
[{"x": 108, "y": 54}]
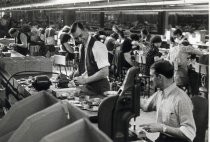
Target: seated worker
[
  {"x": 174, "y": 109},
  {"x": 94, "y": 62},
  {"x": 145, "y": 36},
  {"x": 110, "y": 43},
  {"x": 21, "y": 41},
  {"x": 64, "y": 39},
  {"x": 123, "y": 58},
  {"x": 178, "y": 56},
  {"x": 64, "y": 30},
  {"x": 151, "y": 52},
  {"x": 126, "y": 49},
  {"x": 178, "y": 37}
]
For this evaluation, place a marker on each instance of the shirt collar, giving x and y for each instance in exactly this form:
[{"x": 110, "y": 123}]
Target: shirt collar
[
  {"x": 169, "y": 89},
  {"x": 89, "y": 37}
]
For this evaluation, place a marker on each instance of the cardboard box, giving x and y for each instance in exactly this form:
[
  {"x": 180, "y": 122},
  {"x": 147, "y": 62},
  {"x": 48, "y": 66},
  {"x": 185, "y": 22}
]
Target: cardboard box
[
  {"x": 80, "y": 131},
  {"x": 21, "y": 110}
]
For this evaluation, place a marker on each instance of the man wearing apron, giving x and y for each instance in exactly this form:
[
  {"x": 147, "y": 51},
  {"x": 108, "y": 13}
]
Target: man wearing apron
[
  {"x": 21, "y": 41},
  {"x": 94, "y": 64}
]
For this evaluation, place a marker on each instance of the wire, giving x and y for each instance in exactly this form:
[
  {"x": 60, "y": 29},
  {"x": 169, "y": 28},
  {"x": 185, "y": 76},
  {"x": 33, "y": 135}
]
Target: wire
[{"x": 17, "y": 73}]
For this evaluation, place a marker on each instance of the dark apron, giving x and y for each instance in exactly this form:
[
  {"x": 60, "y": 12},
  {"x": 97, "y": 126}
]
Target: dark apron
[
  {"x": 99, "y": 87},
  {"x": 165, "y": 138},
  {"x": 21, "y": 50}
]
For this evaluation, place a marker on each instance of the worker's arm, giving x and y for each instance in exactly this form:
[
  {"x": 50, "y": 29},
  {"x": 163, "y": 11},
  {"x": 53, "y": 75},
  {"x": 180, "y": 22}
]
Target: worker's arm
[
  {"x": 101, "y": 74},
  {"x": 157, "y": 127},
  {"x": 192, "y": 50},
  {"x": 68, "y": 47}
]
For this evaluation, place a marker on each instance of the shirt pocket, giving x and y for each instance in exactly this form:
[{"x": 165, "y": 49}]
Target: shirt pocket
[{"x": 170, "y": 117}]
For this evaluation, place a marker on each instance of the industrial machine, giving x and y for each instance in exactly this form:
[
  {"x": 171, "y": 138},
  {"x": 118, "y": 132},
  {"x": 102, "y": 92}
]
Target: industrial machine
[{"x": 115, "y": 112}]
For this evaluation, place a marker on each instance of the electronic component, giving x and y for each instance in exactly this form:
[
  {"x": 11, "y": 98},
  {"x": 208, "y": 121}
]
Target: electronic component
[{"x": 41, "y": 82}]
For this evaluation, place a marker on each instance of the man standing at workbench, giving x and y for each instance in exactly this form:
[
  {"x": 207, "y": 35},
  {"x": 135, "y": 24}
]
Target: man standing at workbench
[{"x": 94, "y": 64}]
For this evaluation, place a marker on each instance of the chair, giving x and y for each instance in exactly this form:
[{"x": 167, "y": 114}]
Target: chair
[
  {"x": 21, "y": 110},
  {"x": 200, "y": 113},
  {"x": 60, "y": 60},
  {"x": 203, "y": 77},
  {"x": 80, "y": 131}
]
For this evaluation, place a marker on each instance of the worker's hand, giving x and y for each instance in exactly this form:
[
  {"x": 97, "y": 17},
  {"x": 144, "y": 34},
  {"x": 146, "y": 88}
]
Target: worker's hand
[
  {"x": 152, "y": 127},
  {"x": 80, "y": 80},
  {"x": 12, "y": 45}
]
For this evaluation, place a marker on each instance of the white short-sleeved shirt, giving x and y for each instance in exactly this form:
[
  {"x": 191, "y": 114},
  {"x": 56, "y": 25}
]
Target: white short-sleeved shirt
[{"x": 100, "y": 53}]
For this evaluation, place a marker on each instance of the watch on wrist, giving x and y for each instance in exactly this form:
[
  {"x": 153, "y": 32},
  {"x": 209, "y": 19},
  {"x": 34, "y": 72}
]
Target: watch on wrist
[{"x": 164, "y": 128}]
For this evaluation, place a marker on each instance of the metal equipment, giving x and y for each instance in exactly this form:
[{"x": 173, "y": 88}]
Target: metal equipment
[{"x": 115, "y": 112}]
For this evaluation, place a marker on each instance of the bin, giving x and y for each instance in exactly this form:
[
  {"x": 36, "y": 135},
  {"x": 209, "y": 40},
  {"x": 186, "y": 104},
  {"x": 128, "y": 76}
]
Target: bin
[
  {"x": 80, "y": 131},
  {"x": 46, "y": 121},
  {"x": 21, "y": 110}
]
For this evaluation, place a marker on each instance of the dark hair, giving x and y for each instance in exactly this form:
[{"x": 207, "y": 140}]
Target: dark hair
[
  {"x": 121, "y": 33},
  {"x": 164, "y": 68},
  {"x": 155, "y": 39},
  {"x": 115, "y": 36},
  {"x": 12, "y": 30},
  {"x": 101, "y": 32},
  {"x": 75, "y": 25},
  {"x": 26, "y": 28},
  {"x": 177, "y": 31},
  {"x": 185, "y": 43},
  {"x": 42, "y": 30},
  {"x": 145, "y": 31},
  {"x": 126, "y": 46},
  {"x": 134, "y": 37}
]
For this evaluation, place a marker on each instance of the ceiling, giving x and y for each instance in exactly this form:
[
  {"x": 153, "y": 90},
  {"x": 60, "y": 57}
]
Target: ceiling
[{"x": 106, "y": 5}]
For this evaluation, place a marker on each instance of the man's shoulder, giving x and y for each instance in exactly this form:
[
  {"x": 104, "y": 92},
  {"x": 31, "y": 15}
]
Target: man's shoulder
[
  {"x": 98, "y": 45},
  {"x": 180, "y": 95}
]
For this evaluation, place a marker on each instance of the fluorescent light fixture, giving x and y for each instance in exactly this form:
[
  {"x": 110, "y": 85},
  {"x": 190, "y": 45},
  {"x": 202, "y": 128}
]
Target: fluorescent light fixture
[
  {"x": 50, "y": 3},
  {"x": 180, "y": 2},
  {"x": 107, "y": 5}
]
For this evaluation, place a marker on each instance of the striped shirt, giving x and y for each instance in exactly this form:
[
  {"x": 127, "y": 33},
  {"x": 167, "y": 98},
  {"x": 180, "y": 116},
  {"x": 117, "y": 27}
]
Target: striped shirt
[{"x": 174, "y": 108}]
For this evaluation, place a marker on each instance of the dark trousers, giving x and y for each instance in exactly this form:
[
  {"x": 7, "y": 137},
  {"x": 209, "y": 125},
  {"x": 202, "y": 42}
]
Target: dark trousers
[
  {"x": 21, "y": 50},
  {"x": 165, "y": 138}
]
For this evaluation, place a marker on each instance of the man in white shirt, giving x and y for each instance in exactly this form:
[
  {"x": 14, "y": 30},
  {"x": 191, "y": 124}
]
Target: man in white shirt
[
  {"x": 174, "y": 108},
  {"x": 94, "y": 64}
]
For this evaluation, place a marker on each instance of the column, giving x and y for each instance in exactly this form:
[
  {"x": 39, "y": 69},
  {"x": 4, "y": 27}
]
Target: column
[
  {"x": 101, "y": 19},
  {"x": 69, "y": 17},
  {"x": 162, "y": 22}
]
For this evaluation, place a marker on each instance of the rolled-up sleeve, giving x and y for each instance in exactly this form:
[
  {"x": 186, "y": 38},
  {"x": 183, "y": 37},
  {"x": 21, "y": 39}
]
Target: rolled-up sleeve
[
  {"x": 100, "y": 53},
  {"x": 187, "y": 123}
]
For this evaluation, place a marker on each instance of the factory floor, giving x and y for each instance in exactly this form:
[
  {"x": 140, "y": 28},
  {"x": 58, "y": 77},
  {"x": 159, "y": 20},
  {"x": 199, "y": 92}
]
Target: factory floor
[{"x": 144, "y": 118}]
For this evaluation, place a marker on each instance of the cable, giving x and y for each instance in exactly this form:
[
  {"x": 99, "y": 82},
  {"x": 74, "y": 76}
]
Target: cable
[{"x": 8, "y": 83}]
